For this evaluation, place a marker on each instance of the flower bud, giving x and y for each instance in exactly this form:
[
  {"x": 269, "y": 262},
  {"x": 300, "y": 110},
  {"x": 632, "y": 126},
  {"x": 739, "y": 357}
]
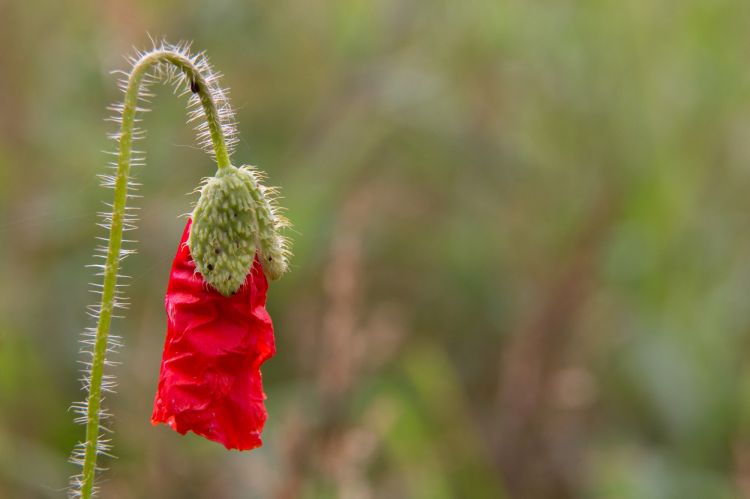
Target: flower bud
[
  {"x": 222, "y": 236},
  {"x": 233, "y": 216}
]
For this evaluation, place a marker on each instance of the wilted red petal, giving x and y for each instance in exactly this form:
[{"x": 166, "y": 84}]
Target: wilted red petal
[{"x": 210, "y": 381}]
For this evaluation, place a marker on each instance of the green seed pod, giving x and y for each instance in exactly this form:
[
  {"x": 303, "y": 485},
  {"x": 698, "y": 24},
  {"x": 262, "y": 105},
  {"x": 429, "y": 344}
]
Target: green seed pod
[{"x": 223, "y": 233}]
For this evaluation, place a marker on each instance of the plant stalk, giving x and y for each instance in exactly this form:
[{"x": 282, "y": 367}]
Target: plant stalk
[{"x": 198, "y": 85}]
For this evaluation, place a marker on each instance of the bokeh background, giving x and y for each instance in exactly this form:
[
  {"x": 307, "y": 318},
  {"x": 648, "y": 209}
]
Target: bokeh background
[{"x": 522, "y": 239}]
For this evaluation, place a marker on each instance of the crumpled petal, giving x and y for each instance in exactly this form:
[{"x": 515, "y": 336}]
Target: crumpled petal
[{"x": 210, "y": 381}]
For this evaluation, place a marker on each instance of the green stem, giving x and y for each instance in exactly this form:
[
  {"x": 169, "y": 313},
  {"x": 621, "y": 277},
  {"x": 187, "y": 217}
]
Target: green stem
[{"x": 198, "y": 85}]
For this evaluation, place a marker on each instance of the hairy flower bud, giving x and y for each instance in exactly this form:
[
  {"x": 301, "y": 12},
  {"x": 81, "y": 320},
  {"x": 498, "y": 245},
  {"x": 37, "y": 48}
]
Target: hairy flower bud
[
  {"x": 232, "y": 217},
  {"x": 222, "y": 237}
]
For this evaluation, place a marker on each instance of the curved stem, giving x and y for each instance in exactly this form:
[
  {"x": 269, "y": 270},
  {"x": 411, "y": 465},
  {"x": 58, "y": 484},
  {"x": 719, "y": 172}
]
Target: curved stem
[{"x": 199, "y": 85}]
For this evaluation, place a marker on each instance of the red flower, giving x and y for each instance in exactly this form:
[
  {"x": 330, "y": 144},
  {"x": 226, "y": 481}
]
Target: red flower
[{"x": 210, "y": 381}]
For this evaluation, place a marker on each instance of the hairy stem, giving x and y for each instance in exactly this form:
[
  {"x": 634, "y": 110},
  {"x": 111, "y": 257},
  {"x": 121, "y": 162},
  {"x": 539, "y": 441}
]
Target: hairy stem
[{"x": 200, "y": 86}]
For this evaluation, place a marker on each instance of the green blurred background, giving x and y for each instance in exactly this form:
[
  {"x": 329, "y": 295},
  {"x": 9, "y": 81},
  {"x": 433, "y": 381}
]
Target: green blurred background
[{"x": 521, "y": 252}]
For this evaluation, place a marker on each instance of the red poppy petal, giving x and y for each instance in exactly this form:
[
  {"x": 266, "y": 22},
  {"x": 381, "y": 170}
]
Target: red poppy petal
[{"x": 210, "y": 381}]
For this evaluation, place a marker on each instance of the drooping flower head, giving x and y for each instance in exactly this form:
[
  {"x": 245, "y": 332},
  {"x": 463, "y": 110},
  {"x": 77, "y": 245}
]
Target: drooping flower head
[{"x": 218, "y": 330}]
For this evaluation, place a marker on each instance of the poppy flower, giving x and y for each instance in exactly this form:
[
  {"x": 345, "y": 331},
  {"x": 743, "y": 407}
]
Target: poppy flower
[{"x": 210, "y": 380}]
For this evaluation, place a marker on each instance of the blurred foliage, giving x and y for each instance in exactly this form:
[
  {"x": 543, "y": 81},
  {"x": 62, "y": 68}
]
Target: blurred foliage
[{"x": 520, "y": 252}]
